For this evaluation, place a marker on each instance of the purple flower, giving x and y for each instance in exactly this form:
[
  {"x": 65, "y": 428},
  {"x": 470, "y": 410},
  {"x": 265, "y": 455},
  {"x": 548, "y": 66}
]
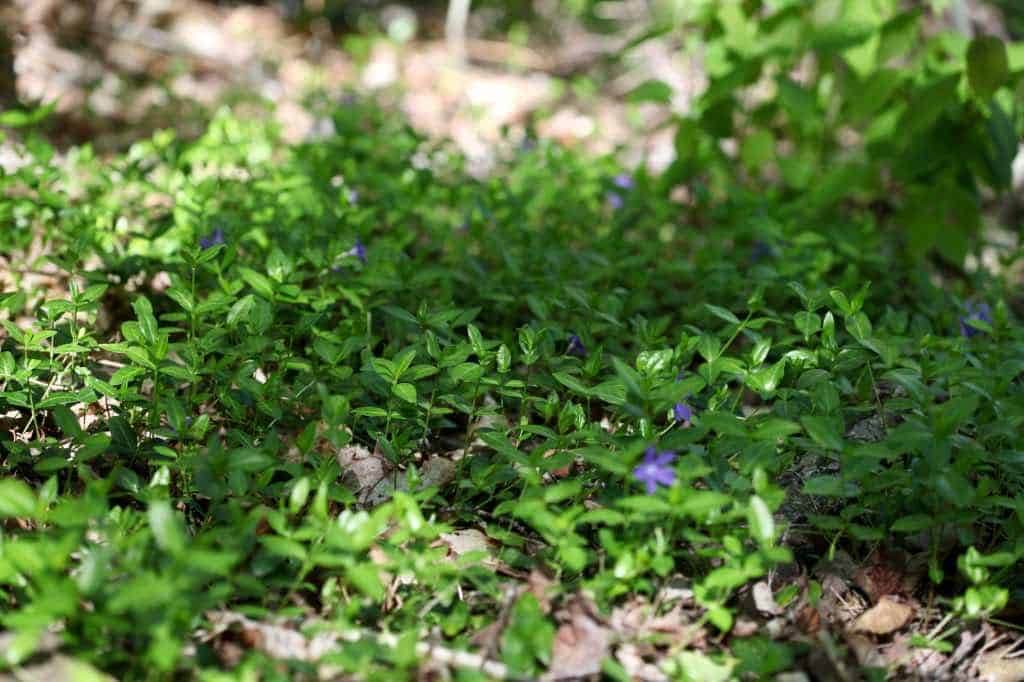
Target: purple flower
[
  {"x": 975, "y": 312},
  {"x": 212, "y": 240},
  {"x": 352, "y": 196},
  {"x": 576, "y": 347},
  {"x": 623, "y": 181},
  {"x": 359, "y": 250},
  {"x": 761, "y": 250},
  {"x": 683, "y": 414},
  {"x": 655, "y": 470}
]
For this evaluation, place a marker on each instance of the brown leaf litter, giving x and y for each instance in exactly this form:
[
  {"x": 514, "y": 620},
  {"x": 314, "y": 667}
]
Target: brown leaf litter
[{"x": 231, "y": 634}]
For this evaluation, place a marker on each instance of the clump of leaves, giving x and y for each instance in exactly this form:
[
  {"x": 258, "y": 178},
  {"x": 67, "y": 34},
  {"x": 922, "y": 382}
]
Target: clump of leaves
[{"x": 242, "y": 339}]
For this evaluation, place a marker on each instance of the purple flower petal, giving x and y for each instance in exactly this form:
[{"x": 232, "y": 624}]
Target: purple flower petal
[
  {"x": 655, "y": 469},
  {"x": 623, "y": 181},
  {"x": 359, "y": 250},
  {"x": 214, "y": 239},
  {"x": 980, "y": 312},
  {"x": 665, "y": 458},
  {"x": 576, "y": 347},
  {"x": 665, "y": 477}
]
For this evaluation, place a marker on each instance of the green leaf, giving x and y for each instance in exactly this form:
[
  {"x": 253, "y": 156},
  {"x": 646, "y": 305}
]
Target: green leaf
[
  {"x": 260, "y": 283},
  {"x": 503, "y": 359},
  {"x": 950, "y": 415},
  {"x": 147, "y": 322},
  {"x": 20, "y": 118},
  {"x": 299, "y": 494},
  {"x": 825, "y": 431},
  {"x": 366, "y": 578},
  {"x": 724, "y": 423},
  {"x": 762, "y": 524},
  {"x": 859, "y": 326},
  {"x": 775, "y": 428},
  {"x": 722, "y": 313},
  {"x": 757, "y": 149},
  {"x": 760, "y": 351},
  {"x": 166, "y": 527},
  {"x": 630, "y": 378},
  {"x": 987, "y": 65},
  {"x": 283, "y": 547},
  {"x": 709, "y": 347},
  {"x": 830, "y": 486},
  {"x": 467, "y": 372},
  {"x": 652, "y": 362},
  {"x": 251, "y": 460},
  {"x": 807, "y": 323},
  {"x": 406, "y": 392},
  {"x": 240, "y": 310},
  {"x": 572, "y": 383},
  {"x": 16, "y": 499},
  {"x": 700, "y": 503},
  {"x": 841, "y": 301},
  {"x": 913, "y": 523},
  {"x": 651, "y": 91}
]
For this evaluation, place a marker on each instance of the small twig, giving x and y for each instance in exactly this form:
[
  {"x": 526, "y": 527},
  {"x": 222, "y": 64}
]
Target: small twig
[{"x": 455, "y": 29}]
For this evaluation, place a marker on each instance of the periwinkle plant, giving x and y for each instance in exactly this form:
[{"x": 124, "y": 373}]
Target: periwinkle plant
[
  {"x": 975, "y": 312},
  {"x": 656, "y": 469}
]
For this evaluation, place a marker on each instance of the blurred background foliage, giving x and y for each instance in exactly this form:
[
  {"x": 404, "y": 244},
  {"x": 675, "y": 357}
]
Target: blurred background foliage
[{"x": 907, "y": 112}]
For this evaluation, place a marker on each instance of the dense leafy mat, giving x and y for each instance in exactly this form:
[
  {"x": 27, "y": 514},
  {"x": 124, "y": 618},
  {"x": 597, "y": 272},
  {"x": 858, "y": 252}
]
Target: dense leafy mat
[{"x": 344, "y": 380}]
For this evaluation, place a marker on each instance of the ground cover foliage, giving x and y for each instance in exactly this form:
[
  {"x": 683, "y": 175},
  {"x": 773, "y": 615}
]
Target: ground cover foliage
[{"x": 345, "y": 389}]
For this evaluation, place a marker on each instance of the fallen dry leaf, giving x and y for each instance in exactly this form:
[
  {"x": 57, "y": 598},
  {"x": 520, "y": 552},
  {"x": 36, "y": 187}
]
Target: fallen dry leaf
[
  {"x": 839, "y": 603},
  {"x": 995, "y": 667},
  {"x": 436, "y": 471},
  {"x": 540, "y": 586},
  {"x": 636, "y": 667},
  {"x": 888, "y": 573},
  {"x": 887, "y": 616},
  {"x": 764, "y": 600},
  {"x": 468, "y": 540},
  {"x": 744, "y": 627},
  {"x": 361, "y": 469},
  {"x": 581, "y": 643},
  {"x": 808, "y": 620},
  {"x": 281, "y": 639}
]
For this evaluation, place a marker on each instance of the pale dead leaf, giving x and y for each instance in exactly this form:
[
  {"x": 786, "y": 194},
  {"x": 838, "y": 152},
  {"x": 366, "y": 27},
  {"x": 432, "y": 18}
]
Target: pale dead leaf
[
  {"x": 839, "y": 603},
  {"x": 581, "y": 643},
  {"x": 865, "y": 650},
  {"x": 467, "y": 540},
  {"x": 279, "y": 641},
  {"x": 764, "y": 600},
  {"x": 637, "y": 620},
  {"x": 887, "y": 616},
  {"x": 361, "y": 469},
  {"x": 995, "y": 667},
  {"x": 436, "y": 471},
  {"x": 636, "y": 667},
  {"x": 539, "y": 585},
  {"x": 744, "y": 627},
  {"x": 792, "y": 677}
]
